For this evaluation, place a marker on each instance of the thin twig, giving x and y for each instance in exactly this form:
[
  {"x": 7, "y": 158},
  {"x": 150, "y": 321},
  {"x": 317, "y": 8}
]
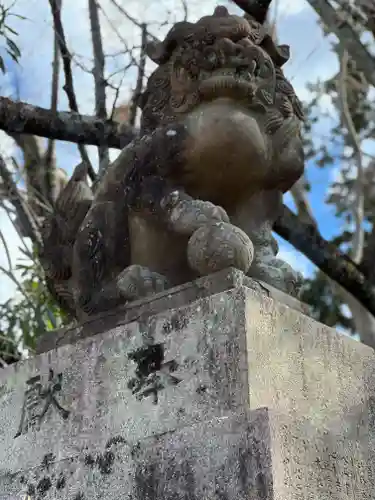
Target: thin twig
[
  {"x": 7, "y": 253},
  {"x": 141, "y": 74},
  {"x": 132, "y": 19},
  {"x": 302, "y": 204},
  {"x": 119, "y": 36},
  {"x": 9, "y": 340},
  {"x": 49, "y": 155},
  {"x": 19, "y": 286},
  {"x": 14, "y": 224},
  {"x": 185, "y": 9},
  {"x": 347, "y": 36},
  {"x": 33, "y": 170},
  {"x": 98, "y": 72},
  {"x": 367, "y": 264},
  {"x": 359, "y": 203},
  {"x": 117, "y": 94},
  {"x": 68, "y": 87},
  {"x": 12, "y": 277},
  {"x": 25, "y": 216}
]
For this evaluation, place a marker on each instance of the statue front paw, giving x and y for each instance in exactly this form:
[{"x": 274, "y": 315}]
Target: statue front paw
[
  {"x": 136, "y": 282},
  {"x": 279, "y": 274},
  {"x": 219, "y": 245},
  {"x": 186, "y": 216}
]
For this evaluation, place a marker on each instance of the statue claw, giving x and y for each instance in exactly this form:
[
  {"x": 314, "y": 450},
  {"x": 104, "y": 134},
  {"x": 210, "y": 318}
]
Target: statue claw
[
  {"x": 136, "y": 282},
  {"x": 279, "y": 274},
  {"x": 189, "y": 215}
]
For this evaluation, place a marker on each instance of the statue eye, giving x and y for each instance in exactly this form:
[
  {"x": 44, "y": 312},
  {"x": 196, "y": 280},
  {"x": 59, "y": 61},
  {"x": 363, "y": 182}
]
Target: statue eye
[
  {"x": 210, "y": 58},
  {"x": 253, "y": 68},
  {"x": 181, "y": 73}
]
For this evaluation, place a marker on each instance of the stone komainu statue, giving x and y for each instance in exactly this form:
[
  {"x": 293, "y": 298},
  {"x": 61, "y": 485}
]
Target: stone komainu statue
[{"x": 201, "y": 187}]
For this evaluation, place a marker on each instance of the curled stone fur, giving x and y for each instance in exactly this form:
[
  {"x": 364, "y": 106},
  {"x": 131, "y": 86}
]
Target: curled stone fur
[{"x": 200, "y": 188}]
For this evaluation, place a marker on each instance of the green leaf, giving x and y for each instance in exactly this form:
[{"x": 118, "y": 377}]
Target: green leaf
[
  {"x": 13, "y": 47},
  {"x": 15, "y": 59},
  {"x": 18, "y": 16},
  {"x": 11, "y": 30},
  {"x": 2, "y": 66}
]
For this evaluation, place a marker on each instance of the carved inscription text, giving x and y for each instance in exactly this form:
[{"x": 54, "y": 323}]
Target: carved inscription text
[
  {"x": 152, "y": 373},
  {"x": 38, "y": 398}
]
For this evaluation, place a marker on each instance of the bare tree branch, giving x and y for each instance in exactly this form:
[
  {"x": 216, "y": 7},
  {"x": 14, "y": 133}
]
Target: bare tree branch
[
  {"x": 347, "y": 36},
  {"x": 68, "y": 87},
  {"x": 185, "y": 10},
  {"x": 326, "y": 257},
  {"x": 359, "y": 202},
  {"x": 303, "y": 207},
  {"x": 132, "y": 19},
  {"x": 19, "y": 117},
  {"x": 15, "y": 223},
  {"x": 367, "y": 264},
  {"x": 362, "y": 12},
  {"x": 33, "y": 169},
  {"x": 363, "y": 320},
  {"x": 100, "y": 83},
  {"x": 141, "y": 74},
  {"x": 23, "y": 212},
  {"x": 368, "y": 7},
  {"x": 6, "y": 248},
  {"x": 49, "y": 155},
  {"x": 119, "y": 36}
]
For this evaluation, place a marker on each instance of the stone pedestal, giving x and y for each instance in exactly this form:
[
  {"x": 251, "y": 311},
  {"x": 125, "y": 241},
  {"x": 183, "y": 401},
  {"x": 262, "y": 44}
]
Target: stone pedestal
[{"x": 215, "y": 391}]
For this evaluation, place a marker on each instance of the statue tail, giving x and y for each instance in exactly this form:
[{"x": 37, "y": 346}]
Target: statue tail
[{"x": 59, "y": 231}]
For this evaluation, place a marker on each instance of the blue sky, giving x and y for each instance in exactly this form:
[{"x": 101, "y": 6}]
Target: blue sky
[{"x": 311, "y": 59}]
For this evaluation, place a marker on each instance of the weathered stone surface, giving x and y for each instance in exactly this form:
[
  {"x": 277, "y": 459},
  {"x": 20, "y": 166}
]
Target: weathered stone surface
[
  {"x": 223, "y": 458},
  {"x": 321, "y": 385},
  {"x": 176, "y": 372},
  {"x": 178, "y": 296},
  {"x": 198, "y": 352}
]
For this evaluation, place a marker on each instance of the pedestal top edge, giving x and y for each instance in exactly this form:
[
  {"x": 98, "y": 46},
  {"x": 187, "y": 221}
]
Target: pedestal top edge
[{"x": 172, "y": 298}]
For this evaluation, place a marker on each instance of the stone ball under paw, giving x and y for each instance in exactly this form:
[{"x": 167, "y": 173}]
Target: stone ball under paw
[{"x": 219, "y": 245}]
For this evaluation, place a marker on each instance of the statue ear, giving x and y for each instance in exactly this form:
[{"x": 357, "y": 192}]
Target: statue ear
[
  {"x": 155, "y": 50},
  {"x": 159, "y": 52},
  {"x": 257, "y": 9},
  {"x": 80, "y": 172},
  {"x": 280, "y": 54},
  {"x": 142, "y": 99}
]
